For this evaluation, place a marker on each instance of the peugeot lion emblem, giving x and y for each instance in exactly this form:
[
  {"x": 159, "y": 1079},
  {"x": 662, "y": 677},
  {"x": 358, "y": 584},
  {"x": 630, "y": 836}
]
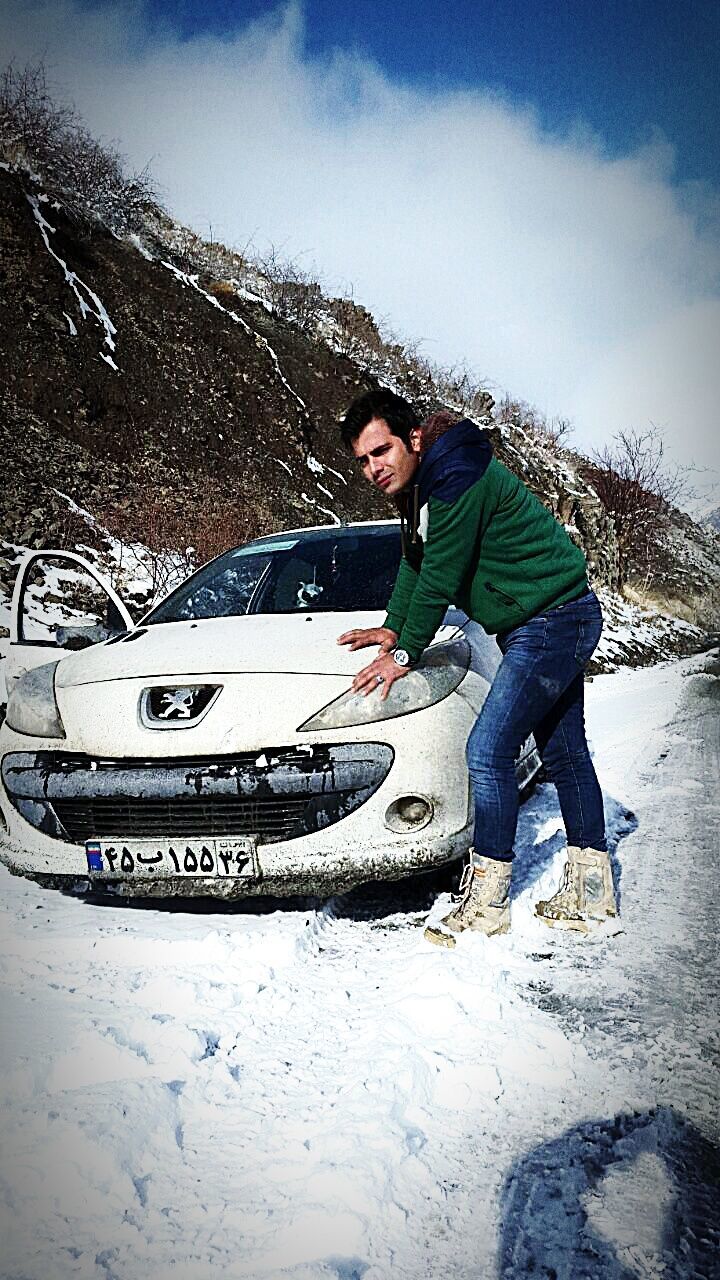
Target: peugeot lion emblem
[{"x": 177, "y": 706}]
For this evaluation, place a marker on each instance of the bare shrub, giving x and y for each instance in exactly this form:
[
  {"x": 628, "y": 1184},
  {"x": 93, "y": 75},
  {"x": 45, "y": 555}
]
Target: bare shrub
[
  {"x": 48, "y": 137},
  {"x": 359, "y": 335},
  {"x": 215, "y": 258},
  {"x": 638, "y": 489},
  {"x": 186, "y": 245},
  {"x": 294, "y": 292},
  {"x": 224, "y": 265},
  {"x": 166, "y": 542},
  {"x": 416, "y": 373},
  {"x": 31, "y": 124},
  {"x": 221, "y": 523},
  {"x": 223, "y": 290},
  {"x": 550, "y": 433},
  {"x": 356, "y": 333},
  {"x": 459, "y": 384}
]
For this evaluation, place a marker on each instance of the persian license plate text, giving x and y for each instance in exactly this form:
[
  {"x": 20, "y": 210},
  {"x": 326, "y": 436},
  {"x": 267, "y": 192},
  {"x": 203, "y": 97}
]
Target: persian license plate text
[{"x": 172, "y": 858}]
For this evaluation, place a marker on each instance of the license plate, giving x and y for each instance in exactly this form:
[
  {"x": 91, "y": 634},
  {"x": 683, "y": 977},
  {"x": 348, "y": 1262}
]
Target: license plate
[{"x": 226, "y": 857}]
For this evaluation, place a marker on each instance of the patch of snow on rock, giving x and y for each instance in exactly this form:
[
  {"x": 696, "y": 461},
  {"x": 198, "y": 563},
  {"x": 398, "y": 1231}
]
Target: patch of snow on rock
[
  {"x": 76, "y": 284},
  {"x": 313, "y": 503}
]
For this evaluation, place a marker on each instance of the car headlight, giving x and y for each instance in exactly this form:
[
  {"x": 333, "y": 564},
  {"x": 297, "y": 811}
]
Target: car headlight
[
  {"x": 32, "y": 708},
  {"x": 438, "y": 674}
]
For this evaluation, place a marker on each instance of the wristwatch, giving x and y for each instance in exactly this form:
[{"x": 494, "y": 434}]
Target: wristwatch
[{"x": 401, "y": 657}]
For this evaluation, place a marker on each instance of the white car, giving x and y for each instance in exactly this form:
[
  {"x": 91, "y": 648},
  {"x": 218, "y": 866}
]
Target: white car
[{"x": 214, "y": 748}]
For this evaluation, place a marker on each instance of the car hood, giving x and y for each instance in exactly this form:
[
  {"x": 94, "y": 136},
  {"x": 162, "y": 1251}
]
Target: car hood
[{"x": 305, "y": 644}]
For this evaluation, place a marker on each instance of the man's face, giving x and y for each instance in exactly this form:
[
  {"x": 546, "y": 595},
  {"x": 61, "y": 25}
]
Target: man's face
[{"x": 386, "y": 460}]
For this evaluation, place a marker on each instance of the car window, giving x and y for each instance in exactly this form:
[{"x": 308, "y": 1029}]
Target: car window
[
  {"x": 62, "y": 603},
  {"x": 338, "y": 571},
  {"x": 223, "y": 594}
]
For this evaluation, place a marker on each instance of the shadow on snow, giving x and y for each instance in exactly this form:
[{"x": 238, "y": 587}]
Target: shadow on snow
[{"x": 614, "y": 1199}]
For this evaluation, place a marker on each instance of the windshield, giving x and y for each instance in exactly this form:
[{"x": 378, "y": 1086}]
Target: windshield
[{"x": 338, "y": 571}]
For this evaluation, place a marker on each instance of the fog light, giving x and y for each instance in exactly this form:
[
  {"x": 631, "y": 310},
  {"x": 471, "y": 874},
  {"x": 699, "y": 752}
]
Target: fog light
[{"x": 408, "y": 813}]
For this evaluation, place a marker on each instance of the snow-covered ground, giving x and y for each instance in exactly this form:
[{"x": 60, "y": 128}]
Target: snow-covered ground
[{"x": 313, "y": 1090}]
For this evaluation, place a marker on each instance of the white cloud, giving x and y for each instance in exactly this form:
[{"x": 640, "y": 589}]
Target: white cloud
[{"x": 579, "y": 281}]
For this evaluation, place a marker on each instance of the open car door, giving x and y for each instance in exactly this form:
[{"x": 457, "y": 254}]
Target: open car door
[{"x": 60, "y": 603}]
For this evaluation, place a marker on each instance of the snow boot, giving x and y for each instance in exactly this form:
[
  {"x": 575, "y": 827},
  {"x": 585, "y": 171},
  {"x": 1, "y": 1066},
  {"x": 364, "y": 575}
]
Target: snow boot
[
  {"x": 483, "y": 902},
  {"x": 586, "y": 894}
]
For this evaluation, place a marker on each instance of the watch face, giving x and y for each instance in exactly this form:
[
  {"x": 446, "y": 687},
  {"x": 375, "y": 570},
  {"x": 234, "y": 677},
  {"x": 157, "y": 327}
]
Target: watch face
[{"x": 401, "y": 657}]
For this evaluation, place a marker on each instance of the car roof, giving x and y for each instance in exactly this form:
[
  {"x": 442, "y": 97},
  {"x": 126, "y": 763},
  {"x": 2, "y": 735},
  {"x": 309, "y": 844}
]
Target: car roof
[{"x": 314, "y": 531}]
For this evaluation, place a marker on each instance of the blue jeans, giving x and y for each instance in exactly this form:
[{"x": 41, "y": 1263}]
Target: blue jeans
[{"x": 539, "y": 689}]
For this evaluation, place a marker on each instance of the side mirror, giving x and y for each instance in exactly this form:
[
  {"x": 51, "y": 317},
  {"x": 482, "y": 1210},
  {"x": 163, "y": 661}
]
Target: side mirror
[{"x": 81, "y": 637}]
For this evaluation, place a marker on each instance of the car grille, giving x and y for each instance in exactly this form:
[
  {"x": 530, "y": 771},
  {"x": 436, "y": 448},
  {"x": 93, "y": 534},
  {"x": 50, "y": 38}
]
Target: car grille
[
  {"x": 278, "y": 793},
  {"x": 271, "y": 818}
]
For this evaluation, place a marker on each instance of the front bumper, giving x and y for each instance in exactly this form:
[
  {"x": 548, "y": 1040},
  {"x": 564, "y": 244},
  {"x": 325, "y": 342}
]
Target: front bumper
[
  {"x": 319, "y": 812},
  {"x": 282, "y": 793}
]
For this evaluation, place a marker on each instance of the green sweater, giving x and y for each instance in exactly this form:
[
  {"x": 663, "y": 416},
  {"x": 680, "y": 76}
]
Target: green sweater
[{"x": 485, "y": 544}]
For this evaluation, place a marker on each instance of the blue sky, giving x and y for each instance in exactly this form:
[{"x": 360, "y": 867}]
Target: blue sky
[
  {"x": 528, "y": 188},
  {"x": 624, "y": 68}
]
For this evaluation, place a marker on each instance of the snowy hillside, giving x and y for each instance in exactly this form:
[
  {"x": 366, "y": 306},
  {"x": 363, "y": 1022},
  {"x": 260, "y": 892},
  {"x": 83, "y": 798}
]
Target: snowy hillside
[
  {"x": 172, "y": 394},
  {"x": 136, "y": 354}
]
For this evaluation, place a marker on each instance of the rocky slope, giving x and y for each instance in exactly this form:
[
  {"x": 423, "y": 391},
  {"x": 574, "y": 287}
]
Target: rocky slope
[
  {"x": 175, "y": 396},
  {"x": 131, "y": 375},
  {"x": 712, "y": 520},
  {"x": 679, "y": 572}
]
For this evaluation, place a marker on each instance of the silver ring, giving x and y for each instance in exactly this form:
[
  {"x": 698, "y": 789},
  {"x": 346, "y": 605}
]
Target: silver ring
[{"x": 379, "y": 679}]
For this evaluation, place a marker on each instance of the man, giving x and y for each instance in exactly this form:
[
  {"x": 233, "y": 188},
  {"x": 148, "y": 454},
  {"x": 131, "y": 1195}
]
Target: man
[{"x": 474, "y": 536}]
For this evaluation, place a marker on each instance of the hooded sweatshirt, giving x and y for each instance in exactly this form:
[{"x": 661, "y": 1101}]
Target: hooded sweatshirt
[{"x": 474, "y": 536}]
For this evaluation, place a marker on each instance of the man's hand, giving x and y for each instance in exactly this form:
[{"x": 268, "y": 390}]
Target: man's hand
[
  {"x": 380, "y": 674},
  {"x": 361, "y": 637}
]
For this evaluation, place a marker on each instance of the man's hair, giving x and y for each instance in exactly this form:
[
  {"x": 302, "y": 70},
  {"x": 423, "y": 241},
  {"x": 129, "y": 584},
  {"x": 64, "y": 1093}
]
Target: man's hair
[
  {"x": 435, "y": 426},
  {"x": 398, "y": 413}
]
